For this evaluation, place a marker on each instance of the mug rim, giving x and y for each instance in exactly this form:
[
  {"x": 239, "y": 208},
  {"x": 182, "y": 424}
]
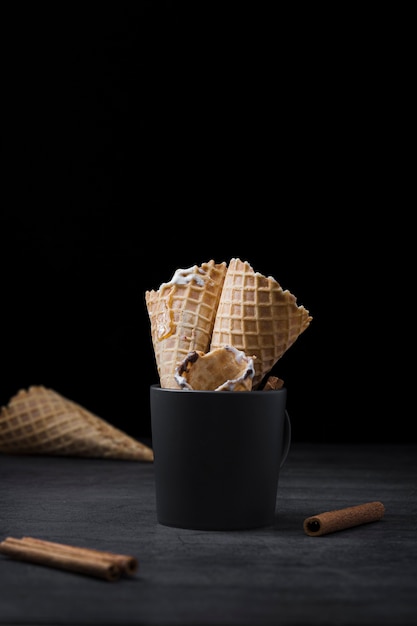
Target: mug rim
[{"x": 158, "y": 387}]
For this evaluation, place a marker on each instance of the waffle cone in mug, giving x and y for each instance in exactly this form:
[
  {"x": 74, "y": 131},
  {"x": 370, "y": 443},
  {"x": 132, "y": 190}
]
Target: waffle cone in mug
[
  {"x": 182, "y": 313},
  {"x": 218, "y": 455},
  {"x": 223, "y": 369},
  {"x": 205, "y": 308},
  {"x": 257, "y": 316}
]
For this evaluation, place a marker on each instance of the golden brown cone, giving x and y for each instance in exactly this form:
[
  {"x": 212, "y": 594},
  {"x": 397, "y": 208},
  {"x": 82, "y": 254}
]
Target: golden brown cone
[
  {"x": 41, "y": 421},
  {"x": 257, "y": 316},
  {"x": 272, "y": 383},
  {"x": 182, "y": 314},
  {"x": 224, "y": 369}
]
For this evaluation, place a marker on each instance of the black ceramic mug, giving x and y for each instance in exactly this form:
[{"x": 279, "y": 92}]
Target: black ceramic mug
[{"x": 217, "y": 456}]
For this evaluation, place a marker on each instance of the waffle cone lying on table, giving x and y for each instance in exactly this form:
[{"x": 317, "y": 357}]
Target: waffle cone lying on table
[
  {"x": 215, "y": 308},
  {"x": 41, "y": 421}
]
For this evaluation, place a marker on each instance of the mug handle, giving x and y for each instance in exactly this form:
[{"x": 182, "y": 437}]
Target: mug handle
[{"x": 287, "y": 439}]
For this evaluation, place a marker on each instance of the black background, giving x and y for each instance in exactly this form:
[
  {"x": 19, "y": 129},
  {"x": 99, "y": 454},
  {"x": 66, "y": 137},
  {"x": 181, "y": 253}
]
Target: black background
[{"x": 151, "y": 136}]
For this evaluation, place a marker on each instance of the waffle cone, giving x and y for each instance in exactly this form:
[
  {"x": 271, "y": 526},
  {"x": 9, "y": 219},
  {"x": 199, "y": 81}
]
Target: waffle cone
[
  {"x": 257, "y": 316},
  {"x": 182, "y": 314},
  {"x": 224, "y": 369},
  {"x": 41, "y": 421}
]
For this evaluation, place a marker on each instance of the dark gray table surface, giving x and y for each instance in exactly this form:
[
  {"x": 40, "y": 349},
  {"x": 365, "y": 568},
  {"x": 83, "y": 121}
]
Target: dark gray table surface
[{"x": 275, "y": 575}]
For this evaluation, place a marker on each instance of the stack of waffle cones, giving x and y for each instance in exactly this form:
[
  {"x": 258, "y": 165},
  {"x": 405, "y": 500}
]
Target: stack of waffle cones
[
  {"x": 41, "y": 421},
  {"x": 233, "y": 306}
]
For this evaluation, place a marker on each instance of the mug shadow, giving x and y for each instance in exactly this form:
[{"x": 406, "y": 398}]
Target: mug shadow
[{"x": 286, "y": 521}]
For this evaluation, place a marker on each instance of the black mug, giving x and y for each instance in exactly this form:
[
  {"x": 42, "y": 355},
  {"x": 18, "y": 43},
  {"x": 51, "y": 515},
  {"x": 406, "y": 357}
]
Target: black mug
[{"x": 217, "y": 456}]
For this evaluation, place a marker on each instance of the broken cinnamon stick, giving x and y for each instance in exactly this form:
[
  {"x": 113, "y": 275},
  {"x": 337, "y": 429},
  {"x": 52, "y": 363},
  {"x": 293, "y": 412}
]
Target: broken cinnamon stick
[
  {"x": 101, "y": 564},
  {"x": 332, "y": 521}
]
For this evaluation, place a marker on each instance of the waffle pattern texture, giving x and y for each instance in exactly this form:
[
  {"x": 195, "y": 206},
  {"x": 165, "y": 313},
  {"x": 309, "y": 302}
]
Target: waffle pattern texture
[
  {"x": 182, "y": 317},
  {"x": 41, "y": 421},
  {"x": 257, "y": 316},
  {"x": 223, "y": 305},
  {"x": 224, "y": 369}
]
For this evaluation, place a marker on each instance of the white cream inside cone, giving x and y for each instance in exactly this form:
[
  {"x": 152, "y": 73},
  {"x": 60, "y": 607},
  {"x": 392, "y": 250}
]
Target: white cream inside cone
[
  {"x": 223, "y": 369},
  {"x": 181, "y": 314}
]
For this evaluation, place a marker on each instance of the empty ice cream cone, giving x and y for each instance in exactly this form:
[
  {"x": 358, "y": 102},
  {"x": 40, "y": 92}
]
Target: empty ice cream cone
[
  {"x": 257, "y": 316},
  {"x": 41, "y": 421},
  {"x": 223, "y": 369},
  {"x": 182, "y": 314}
]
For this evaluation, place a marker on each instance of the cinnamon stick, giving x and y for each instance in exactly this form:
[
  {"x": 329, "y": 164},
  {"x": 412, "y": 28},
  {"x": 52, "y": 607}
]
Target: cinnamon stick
[
  {"x": 101, "y": 564},
  {"x": 332, "y": 521},
  {"x": 127, "y": 564}
]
